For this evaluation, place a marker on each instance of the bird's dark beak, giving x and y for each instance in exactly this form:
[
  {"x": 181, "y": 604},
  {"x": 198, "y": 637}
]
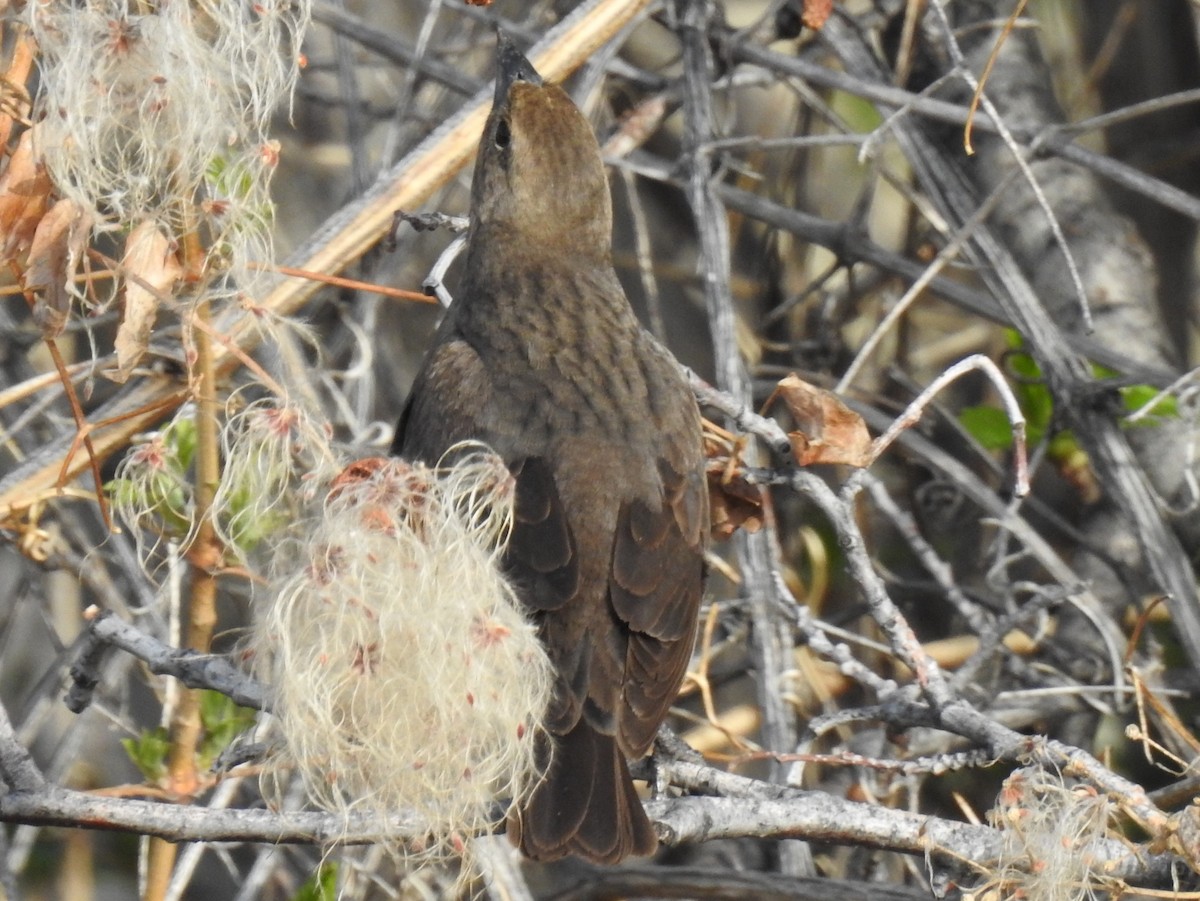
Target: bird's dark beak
[{"x": 511, "y": 66}]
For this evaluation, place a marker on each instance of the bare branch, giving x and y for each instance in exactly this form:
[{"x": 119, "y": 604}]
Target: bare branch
[{"x": 193, "y": 669}]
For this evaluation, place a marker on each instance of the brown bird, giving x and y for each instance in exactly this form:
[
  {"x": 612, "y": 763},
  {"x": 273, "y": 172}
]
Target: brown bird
[{"x": 541, "y": 357}]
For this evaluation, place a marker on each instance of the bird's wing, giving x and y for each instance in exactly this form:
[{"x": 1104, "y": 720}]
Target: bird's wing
[
  {"x": 542, "y": 562},
  {"x": 655, "y": 588},
  {"x": 446, "y": 403},
  {"x": 541, "y": 551}
]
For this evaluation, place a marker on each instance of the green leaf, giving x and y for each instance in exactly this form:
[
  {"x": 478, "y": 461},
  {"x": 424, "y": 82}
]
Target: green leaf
[
  {"x": 160, "y": 494},
  {"x": 861, "y": 115},
  {"x": 162, "y": 489},
  {"x": 234, "y": 181},
  {"x": 1063, "y": 446},
  {"x": 989, "y": 426},
  {"x": 1037, "y": 403},
  {"x": 229, "y": 178},
  {"x": 1135, "y": 397},
  {"x": 149, "y": 752},
  {"x": 321, "y": 886},
  {"x": 223, "y": 721},
  {"x": 247, "y": 520},
  {"x": 180, "y": 439}
]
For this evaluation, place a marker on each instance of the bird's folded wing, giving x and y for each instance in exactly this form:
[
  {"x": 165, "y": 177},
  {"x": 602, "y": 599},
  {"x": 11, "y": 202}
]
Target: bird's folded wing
[{"x": 655, "y": 588}]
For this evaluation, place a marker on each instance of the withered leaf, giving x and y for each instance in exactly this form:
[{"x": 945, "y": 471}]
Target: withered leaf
[
  {"x": 54, "y": 251},
  {"x": 151, "y": 268},
  {"x": 14, "y": 91},
  {"x": 24, "y": 197},
  {"x": 827, "y": 431},
  {"x": 733, "y": 502}
]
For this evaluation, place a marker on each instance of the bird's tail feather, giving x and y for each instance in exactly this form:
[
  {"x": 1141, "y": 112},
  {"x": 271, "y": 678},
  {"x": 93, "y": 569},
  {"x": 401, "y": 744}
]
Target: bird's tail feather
[{"x": 585, "y": 806}]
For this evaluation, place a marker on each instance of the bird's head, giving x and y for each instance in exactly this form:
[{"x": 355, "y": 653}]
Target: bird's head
[{"x": 539, "y": 179}]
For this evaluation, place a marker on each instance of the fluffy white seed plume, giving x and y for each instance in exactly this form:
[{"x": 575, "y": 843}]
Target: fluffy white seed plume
[
  {"x": 407, "y": 679},
  {"x": 159, "y": 112},
  {"x": 1051, "y": 828},
  {"x": 277, "y": 457},
  {"x": 138, "y": 102}
]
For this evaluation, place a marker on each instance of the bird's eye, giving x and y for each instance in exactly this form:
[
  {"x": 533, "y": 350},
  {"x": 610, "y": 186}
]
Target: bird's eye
[{"x": 503, "y": 136}]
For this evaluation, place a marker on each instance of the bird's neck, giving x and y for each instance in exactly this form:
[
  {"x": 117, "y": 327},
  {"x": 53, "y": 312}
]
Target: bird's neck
[
  {"x": 540, "y": 244},
  {"x": 569, "y": 298}
]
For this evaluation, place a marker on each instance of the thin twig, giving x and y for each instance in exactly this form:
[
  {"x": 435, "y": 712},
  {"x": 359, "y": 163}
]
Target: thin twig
[{"x": 973, "y": 363}]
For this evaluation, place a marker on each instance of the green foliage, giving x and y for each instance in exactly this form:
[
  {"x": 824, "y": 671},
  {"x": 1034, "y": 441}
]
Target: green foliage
[
  {"x": 860, "y": 114},
  {"x": 1134, "y": 397},
  {"x": 149, "y": 753},
  {"x": 238, "y": 188},
  {"x": 158, "y": 494},
  {"x": 248, "y": 516},
  {"x": 155, "y": 483},
  {"x": 181, "y": 437},
  {"x": 223, "y": 721},
  {"x": 229, "y": 178},
  {"x": 321, "y": 886},
  {"x": 153, "y": 487},
  {"x": 989, "y": 425},
  {"x": 1035, "y": 398}
]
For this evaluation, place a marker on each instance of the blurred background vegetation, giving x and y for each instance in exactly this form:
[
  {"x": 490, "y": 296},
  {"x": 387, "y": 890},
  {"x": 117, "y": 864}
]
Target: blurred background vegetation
[{"x": 824, "y": 149}]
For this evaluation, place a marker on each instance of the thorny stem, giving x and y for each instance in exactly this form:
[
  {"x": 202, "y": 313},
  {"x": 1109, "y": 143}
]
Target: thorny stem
[{"x": 205, "y": 557}]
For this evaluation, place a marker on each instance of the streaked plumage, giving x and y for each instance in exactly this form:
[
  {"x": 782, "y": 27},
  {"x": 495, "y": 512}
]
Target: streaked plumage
[{"x": 541, "y": 357}]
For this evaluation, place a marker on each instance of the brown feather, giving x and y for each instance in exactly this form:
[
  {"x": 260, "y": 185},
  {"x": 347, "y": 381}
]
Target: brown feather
[
  {"x": 541, "y": 551},
  {"x": 586, "y": 805},
  {"x": 542, "y": 358}
]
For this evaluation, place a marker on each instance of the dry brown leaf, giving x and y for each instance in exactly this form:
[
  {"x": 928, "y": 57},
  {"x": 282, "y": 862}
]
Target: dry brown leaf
[
  {"x": 24, "y": 197},
  {"x": 54, "y": 250},
  {"x": 827, "y": 431},
  {"x": 151, "y": 268},
  {"x": 733, "y": 501},
  {"x": 816, "y": 13},
  {"x": 14, "y": 93}
]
